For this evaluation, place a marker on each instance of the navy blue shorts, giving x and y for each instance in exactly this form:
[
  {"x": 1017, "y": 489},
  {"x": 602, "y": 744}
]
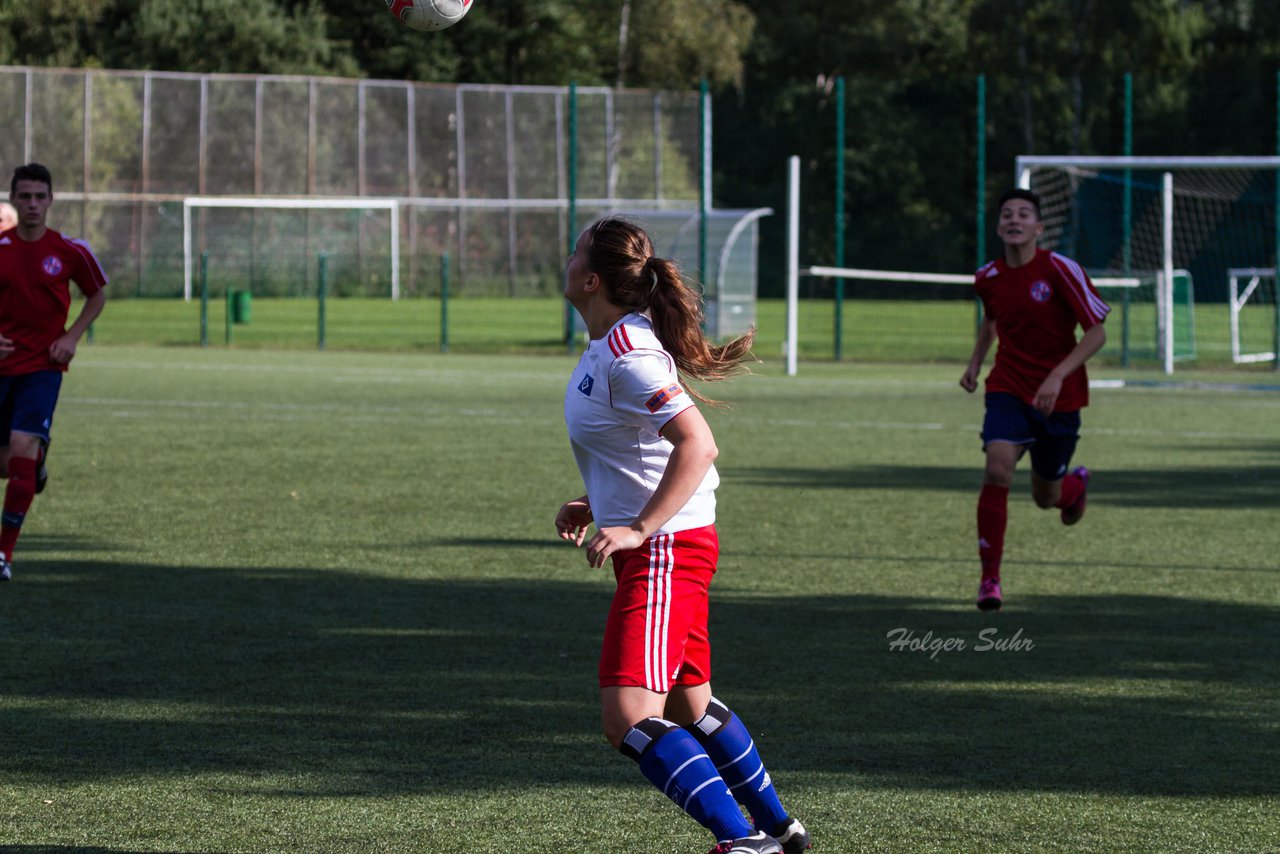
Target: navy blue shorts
[
  {"x": 27, "y": 402},
  {"x": 1052, "y": 439}
]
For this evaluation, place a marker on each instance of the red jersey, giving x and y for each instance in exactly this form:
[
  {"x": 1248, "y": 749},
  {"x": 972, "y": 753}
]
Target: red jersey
[
  {"x": 35, "y": 295},
  {"x": 1036, "y": 308}
]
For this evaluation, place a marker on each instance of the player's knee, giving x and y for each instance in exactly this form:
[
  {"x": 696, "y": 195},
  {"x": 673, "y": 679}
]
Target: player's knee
[
  {"x": 998, "y": 474},
  {"x": 616, "y": 727}
]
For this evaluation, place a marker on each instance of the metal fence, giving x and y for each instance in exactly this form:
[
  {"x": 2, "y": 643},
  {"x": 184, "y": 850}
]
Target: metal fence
[{"x": 487, "y": 174}]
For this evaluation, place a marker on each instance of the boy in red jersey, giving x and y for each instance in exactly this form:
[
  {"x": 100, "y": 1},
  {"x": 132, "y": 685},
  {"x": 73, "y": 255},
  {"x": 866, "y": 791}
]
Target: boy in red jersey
[
  {"x": 1032, "y": 301},
  {"x": 37, "y": 264}
]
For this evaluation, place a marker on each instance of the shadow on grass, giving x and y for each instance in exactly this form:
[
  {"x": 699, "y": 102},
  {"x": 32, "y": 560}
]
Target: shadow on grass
[
  {"x": 1212, "y": 488},
  {"x": 345, "y": 683},
  {"x": 70, "y": 849}
]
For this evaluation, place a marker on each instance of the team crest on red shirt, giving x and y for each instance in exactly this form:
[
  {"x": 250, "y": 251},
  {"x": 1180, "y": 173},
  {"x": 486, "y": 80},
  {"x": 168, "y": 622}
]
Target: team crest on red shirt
[
  {"x": 52, "y": 265},
  {"x": 1041, "y": 292}
]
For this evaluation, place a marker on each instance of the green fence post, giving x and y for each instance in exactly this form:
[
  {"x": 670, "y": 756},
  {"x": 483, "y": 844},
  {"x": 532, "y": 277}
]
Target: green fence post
[
  {"x": 1127, "y": 217},
  {"x": 839, "y": 259},
  {"x": 204, "y": 299},
  {"x": 980, "y": 206},
  {"x": 230, "y": 312},
  {"x": 322, "y": 292},
  {"x": 444, "y": 303}
]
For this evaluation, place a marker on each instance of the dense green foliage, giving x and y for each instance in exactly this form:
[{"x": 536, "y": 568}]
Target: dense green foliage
[{"x": 1204, "y": 82}]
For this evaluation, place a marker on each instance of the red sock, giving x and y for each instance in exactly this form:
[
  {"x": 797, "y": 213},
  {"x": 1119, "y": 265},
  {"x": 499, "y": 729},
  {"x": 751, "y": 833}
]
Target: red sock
[
  {"x": 1072, "y": 486},
  {"x": 993, "y": 518},
  {"x": 17, "y": 501}
]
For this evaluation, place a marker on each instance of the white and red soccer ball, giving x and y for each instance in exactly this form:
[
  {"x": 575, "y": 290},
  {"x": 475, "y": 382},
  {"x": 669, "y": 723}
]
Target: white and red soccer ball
[{"x": 429, "y": 14}]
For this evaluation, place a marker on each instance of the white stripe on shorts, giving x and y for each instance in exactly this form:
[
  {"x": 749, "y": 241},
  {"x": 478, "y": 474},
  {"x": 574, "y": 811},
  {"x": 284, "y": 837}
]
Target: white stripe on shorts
[{"x": 658, "y": 613}]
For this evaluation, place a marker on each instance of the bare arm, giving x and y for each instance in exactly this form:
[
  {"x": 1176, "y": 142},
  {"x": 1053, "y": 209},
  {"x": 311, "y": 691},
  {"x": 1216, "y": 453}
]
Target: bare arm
[
  {"x": 64, "y": 348},
  {"x": 691, "y": 457},
  {"x": 1089, "y": 344},
  {"x": 986, "y": 335}
]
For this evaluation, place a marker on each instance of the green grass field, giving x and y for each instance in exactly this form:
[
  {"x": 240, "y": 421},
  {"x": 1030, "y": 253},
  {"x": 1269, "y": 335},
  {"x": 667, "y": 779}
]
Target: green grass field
[
  {"x": 874, "y": 330},
  {"x": 289, "y": 601}
]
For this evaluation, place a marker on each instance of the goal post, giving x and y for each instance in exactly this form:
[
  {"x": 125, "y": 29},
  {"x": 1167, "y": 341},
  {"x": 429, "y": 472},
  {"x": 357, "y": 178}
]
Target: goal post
[
  {"x": 1255, "y": 315},
  {"x": 1172, "y": 219},
  {"x": 192, "y": 203},
  {"x": 927, "y": 315}
]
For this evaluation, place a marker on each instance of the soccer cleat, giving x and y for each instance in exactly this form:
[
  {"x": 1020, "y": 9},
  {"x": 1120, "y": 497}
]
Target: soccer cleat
[
  {"x": 756, "y": 843},
  {"x": 6, "y": 569},
  {"x": 793, "y": 838},
  {"x": 1074, "y": 513},
  {"x": 989, "y": 595}
]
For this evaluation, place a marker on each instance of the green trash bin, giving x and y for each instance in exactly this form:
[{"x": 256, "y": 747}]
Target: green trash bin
[{"x": 241, "y": 307}]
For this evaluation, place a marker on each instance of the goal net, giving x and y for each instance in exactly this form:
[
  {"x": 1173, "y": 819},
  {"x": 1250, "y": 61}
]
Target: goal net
[
  {"x": 1179, "y": 226},
  {"x": 271, "y": 246}
]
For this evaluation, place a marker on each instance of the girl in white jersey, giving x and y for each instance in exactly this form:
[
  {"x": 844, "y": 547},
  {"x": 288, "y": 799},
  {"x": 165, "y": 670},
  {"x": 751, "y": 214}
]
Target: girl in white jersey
[{"x": 646, "y": 456}]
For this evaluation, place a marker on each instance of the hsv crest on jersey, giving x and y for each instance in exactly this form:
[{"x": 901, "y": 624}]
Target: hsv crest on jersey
[
  {"x": 52, "y": 265},
  {"x": 1041, "y": 292},
  {"x": 661, "y": 397},
  {"x": 586, "y": 385}
]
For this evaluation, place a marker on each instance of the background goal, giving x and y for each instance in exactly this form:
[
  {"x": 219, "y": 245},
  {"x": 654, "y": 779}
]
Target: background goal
[
  {"x": 1178, "y": 224},
  {"x": 270, "y": 246}
]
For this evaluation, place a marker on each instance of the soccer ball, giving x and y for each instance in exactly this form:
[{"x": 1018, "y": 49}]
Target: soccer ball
[{"x": 429, "y": 14}]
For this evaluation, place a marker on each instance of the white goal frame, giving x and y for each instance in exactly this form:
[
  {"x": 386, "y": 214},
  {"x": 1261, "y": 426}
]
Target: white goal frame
[
  {"x": 1164, "y": 291},
  {"x": 795, "y": 271},
  {"x": 1238, "y": 298},
  {"x": 320, "y": 204}
]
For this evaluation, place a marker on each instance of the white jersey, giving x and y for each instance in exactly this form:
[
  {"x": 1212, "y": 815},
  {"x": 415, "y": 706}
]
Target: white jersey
[{"x": 622, "y": 393}]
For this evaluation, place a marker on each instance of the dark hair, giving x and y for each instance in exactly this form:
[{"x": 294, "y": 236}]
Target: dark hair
[
  {"x": 621, "y": 254},
  {"x": 1025, "y": 195},
  {"x": 30, "y": 172}
]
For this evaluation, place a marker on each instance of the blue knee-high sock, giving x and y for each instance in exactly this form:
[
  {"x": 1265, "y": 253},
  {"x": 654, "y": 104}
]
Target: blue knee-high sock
[
  {"x": 671, "y": 759},
  {"x": 732, "y": 749}
]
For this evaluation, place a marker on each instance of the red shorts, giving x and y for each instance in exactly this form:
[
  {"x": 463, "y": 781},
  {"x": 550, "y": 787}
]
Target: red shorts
[{"x": 656, "y": 636}]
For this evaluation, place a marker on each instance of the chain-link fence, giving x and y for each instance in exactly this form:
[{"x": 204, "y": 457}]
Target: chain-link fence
[{"x": 488, "y": 174}]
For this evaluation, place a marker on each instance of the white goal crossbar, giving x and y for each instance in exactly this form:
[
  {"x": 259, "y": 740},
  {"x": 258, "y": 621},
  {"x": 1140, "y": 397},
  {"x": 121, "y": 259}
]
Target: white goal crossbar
[
  {"x": 318, "y": 204},
  {"x": 795, "y": 271},
  {"x": 1167, "y": 167},
  {"x": 940, "y": 278}
]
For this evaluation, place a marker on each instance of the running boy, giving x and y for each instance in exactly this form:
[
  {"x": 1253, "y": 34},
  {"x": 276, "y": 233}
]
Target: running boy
[
  {"x": 37, "y": 266},
  {"x": 1032, "y": 301}
]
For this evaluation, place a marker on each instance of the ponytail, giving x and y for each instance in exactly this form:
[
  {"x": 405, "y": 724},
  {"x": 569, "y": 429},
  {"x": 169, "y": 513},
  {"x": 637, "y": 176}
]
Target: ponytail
[
  {"x": 621, "y": 253},
  {"x": 676, "y": 310}
]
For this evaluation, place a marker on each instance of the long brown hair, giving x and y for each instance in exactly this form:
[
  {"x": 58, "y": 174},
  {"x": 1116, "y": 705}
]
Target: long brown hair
[{"x": 621, "y": 254}]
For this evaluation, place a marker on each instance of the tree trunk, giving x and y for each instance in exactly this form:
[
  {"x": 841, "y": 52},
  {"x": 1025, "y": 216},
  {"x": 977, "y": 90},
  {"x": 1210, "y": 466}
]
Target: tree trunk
[{"x": 624, "y": 27}]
